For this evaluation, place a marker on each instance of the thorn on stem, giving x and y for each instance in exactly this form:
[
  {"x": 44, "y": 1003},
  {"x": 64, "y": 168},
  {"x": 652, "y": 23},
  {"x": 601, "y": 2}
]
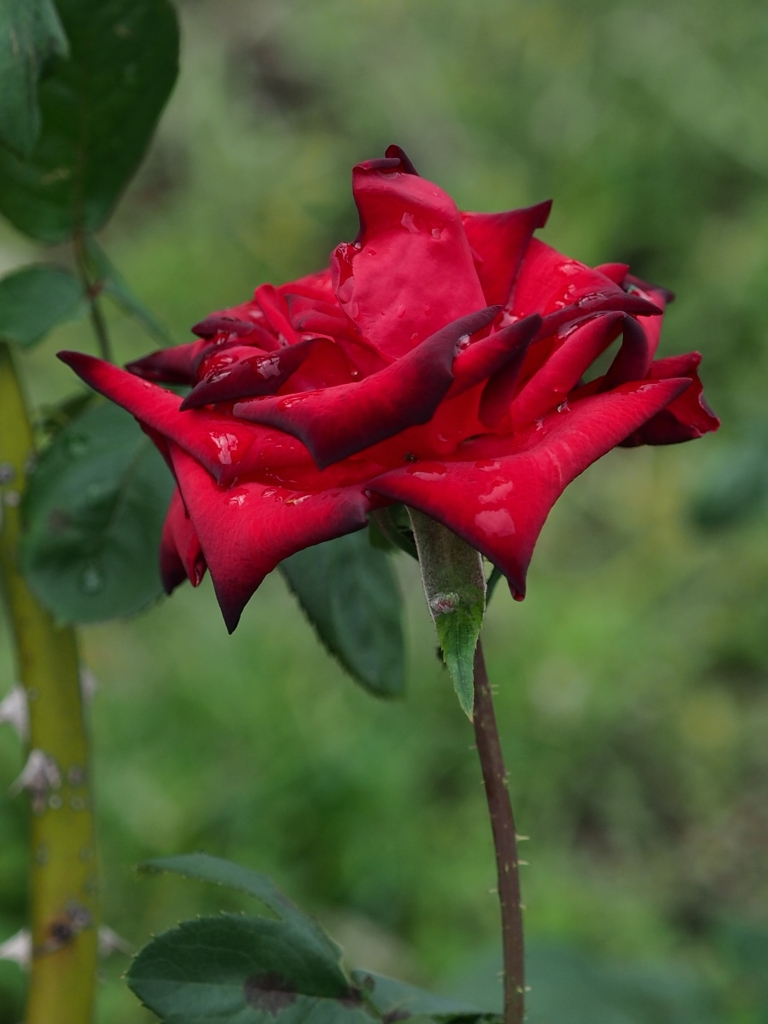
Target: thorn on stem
[{"x": 15, "y": 711}]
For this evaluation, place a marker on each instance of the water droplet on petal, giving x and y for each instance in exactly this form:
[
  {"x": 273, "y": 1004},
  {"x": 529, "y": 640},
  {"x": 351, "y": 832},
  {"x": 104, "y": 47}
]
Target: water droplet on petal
[
  {"x": 269, "y": 368},
  {"x": 409, "y": 223},
  {"x": 495, "y": 523},
  {"x": 433, "y": 473},
  {"x": 502, "y": 490}
]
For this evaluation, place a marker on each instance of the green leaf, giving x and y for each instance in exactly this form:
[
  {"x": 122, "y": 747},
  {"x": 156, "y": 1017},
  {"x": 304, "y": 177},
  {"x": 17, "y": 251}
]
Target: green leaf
[
  {"x": 394, "y": 526},
  {"x": 31, "y": 35},
  {"x": 99, "y": 111},
  {"x": 241, "y": 970},
  {"x": 349, "y": 593},
  {"x": 454, "y": 585},
  {"x": 112, "y": 284},
  {"x": 93, "y": 513},
  {"x": 493, "y": 582},
  {"x": 204, "y": 868},
  {"x": 36, "y": 299},
  {"x": 397, "y": 1000}
]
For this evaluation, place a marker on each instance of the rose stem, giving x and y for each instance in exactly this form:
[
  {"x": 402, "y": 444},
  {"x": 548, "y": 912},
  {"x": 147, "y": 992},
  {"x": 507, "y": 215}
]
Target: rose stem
[
  {"x": 504, "y": 841},
  {"x": 63, "y": 869},
  {"x": 92, "y": 289}
]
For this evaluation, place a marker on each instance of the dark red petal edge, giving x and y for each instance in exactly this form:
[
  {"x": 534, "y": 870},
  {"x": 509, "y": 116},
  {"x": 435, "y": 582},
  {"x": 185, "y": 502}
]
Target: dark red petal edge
[
  {"x": 337, "y": 422},
  {"x": 181, "y": 557},
  {"x": 246, "y": 531}
]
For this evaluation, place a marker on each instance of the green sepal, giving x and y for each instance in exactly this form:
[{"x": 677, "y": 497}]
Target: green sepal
[{"x": 454, "y": 585}]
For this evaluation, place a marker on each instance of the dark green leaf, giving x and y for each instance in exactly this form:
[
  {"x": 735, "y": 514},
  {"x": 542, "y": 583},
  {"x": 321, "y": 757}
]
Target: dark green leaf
[
  {"x": 99, "y": 110},
  {"x": 53, "y": 418},
  {"x": 394, "y": 525},
  {"x": 111, "y": 283},
  {"x": 493, "y": 582},
  {"x": 31, "y": 35},
  {"x": 350, "y": 595},
  {"x": 241, "y": 970},
  {"x": 454, "y": 585},
  {"x": 203, "y": 868},
  {"x": 34, "y": 300},
  {"x": 402, "y": 1001},
  {"x": 93, "y": 512}
]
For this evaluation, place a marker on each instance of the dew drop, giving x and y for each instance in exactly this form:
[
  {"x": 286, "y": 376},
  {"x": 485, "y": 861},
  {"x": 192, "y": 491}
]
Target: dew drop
[
  {"x": 434, "y": 473},
  {"x": 95, "y": 490},
  {"x": 495, "y": 523},
  {"x": 77, "y": 445},
  {"x": 92, "y": 579},
  {"x": 409, "y": 223}
]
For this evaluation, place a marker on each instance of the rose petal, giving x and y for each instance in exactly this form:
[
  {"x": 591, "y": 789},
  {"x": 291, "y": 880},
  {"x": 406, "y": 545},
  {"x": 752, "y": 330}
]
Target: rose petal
[
  {"x": 275, "y": 310},
  {"x": 550, "y": 385},
  {"x": 315, "y": 286},
  {"x": 660, "y": 297},
  {"x": 488, "y": 355},
  {"x": 500, "y": 505},
  {"x": 562, "y": 289},
  {"x": 181, "y": 557},
  {"x": 218, "y": 441},
  {"x": 246, "y": 531},
  {"x": 634, "y": 358},
  {"x": 411, "y": 271},
  {"x": 684, "y": 419},
  {"x": 337, "y": 422},
  {"x": 254, "y": 375},
  {"x": 616, "y": 272},
  {"x": 499, "y": 242},
  {"x": 169, "y": 365},
  {"x": 220, "y": 323},
  {"x": 394, "y": 152}
]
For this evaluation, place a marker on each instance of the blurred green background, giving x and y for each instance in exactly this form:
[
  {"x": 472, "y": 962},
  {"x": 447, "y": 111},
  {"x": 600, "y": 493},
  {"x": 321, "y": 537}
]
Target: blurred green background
[{"x": 633, "y": 681}]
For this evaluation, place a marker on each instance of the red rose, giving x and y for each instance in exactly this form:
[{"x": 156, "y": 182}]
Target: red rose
[{"x": 440, "y": 362}]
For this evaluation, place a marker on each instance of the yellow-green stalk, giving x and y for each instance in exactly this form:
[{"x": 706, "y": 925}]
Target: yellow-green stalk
[{"x": 64, "y": 882}]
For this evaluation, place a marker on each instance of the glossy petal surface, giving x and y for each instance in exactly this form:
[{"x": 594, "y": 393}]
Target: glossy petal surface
[
  {"x": 411, "y": 271},
  {"x": 337, "y": 422},
  {"x": 500, "y": 505},
  {"x": 246, "y": 530}
]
